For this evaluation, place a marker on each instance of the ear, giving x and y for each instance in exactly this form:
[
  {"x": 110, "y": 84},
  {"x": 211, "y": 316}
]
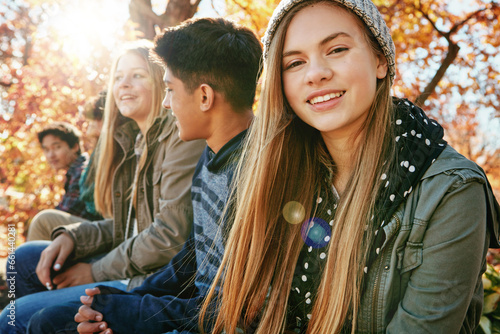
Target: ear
[
  {"x": 75, "y": 148},
  {"x": 207, "y": 95},
  {"x": 382, "y": 67}
]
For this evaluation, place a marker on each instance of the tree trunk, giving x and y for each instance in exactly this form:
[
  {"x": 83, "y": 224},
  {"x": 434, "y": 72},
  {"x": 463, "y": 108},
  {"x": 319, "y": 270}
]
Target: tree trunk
[{"x": 141, "y": 12}]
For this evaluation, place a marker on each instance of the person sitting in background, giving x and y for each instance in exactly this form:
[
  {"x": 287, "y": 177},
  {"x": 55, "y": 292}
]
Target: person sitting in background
[
  {"x": 93, "y": 113},
  {"x": 61, "y": 145},
  {"x": 81, "y": 182}
]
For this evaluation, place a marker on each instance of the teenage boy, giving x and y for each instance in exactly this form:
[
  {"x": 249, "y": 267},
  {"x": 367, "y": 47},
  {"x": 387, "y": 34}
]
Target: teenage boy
[
  {"x": 60, "y": 143},
  {"x": 211, "y": 70},
  {"x": 79, "y": 178}
]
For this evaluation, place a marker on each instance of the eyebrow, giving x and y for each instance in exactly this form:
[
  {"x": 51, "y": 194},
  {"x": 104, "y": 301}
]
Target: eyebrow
[
  {"x": 322, "y": 43},
  {"x": 55, "y": 142},
  {"x": 133, "y": 69}
]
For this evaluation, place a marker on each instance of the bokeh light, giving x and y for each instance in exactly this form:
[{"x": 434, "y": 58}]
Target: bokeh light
[
  {"x": 294, "y": 212},
  {"x": 316, "y": 232}
]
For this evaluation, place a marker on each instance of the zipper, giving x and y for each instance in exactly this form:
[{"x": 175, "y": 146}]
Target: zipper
[{"x": 376, "y": 285}]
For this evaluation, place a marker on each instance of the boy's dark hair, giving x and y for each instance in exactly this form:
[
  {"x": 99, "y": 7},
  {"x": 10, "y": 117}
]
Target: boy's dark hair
[
  {"x": 94, "y": 109},
  {"x": 64, "y": 131},
  {"x": 216, "y": 52}
]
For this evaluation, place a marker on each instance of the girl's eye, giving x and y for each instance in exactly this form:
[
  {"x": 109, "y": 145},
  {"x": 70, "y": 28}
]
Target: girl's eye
[
  {"x": 293, "y": 64},
  {"x": 118, "y": 78},
  {"x": 337, "y": 50},
  {"x": 139, "y": 75}
]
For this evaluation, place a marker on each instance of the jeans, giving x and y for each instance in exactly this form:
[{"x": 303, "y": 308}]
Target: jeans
[
  {"x": 32, "y": 295},
  {"x": 60, "y": 320},
  {"x": 55, "y": 320}
]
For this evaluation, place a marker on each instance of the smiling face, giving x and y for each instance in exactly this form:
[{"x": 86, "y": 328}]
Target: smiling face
[
  {"x": 57, "y": 152},
  {"x": 329, "y": 70},
  {"x": 133, "y": 88},
  {"x": 191, "y": 120}
]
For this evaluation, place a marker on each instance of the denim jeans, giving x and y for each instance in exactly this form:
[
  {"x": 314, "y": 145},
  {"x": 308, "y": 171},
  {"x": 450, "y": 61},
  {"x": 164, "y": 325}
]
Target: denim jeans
[
  {"x": 60, "y": 320},
  {"x": 32, "y": 295},
  {"x": 57, "y": 319}
]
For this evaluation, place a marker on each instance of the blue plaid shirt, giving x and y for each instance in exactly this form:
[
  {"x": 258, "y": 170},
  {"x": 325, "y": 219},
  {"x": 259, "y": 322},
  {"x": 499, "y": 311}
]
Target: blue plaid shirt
[{"x": 71, "y": 202}]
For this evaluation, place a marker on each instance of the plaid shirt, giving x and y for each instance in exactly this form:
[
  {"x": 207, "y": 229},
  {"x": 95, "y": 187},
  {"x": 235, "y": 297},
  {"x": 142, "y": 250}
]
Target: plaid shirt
[{"x": 71, "y": 201}]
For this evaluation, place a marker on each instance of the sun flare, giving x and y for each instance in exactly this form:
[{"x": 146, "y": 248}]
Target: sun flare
[{"x": 83, "y": 25}]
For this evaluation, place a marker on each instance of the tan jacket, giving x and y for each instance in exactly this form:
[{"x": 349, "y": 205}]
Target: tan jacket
[{"x": 163, "y": 207}]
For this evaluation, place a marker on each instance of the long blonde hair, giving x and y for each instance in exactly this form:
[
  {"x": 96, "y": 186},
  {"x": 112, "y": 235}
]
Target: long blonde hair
[
  {"x": 282, "y": 162},
  {"x": 107, "y": 149}
]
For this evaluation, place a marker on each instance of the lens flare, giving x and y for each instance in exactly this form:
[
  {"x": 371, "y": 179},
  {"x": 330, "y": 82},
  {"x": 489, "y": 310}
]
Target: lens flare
[
  {"x": 316, "y": 232},
  {"x": 294, "y": 212}
]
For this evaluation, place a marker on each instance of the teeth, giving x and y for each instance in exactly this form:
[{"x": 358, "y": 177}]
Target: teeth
[
  {"x": 325, "y": 98},
  {"x": 126, "y": 97}
]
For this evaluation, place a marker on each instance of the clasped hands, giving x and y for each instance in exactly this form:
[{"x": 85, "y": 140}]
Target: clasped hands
[{"x": 90, "y": 321}]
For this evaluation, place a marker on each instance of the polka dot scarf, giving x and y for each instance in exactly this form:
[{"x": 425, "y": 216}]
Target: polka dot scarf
[{"x": 419, "y": 141}]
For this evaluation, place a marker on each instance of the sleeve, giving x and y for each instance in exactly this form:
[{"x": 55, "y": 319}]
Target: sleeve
[
  {"x": 91, "y": 238},
  {"x": 156, "y": 245},
  {"x": 71, "y": 202},
  {"x": 166, "y": 301},
  {"x": 447, "y": 284}
]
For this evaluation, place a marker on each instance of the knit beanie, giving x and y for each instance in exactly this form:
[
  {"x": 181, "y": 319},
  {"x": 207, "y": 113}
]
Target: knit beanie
[{"x": 364, "y": 9}]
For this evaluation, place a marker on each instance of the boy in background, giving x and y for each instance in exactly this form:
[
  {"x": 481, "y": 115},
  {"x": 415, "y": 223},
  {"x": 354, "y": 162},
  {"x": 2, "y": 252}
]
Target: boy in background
[
  {"x": 59, "y": 142},
  {"x": 61, "y": 145}
]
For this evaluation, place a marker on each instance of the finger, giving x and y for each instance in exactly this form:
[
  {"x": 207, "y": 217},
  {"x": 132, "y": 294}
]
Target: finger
[
  {"x": 65, "y": 246},
  {"x": 92, "y": 292},
  {"x": 91, "y": 327},
  {"x": 107, "y": 331},
  {"x": 63, "y": 281},
  {"x": 43, "y": 267},
  {"x": 61, "y": 257},
  {"x": 87, "y": 300},
  {"x": 89, "y": 313},
  {"x": 80, "y": 318}
]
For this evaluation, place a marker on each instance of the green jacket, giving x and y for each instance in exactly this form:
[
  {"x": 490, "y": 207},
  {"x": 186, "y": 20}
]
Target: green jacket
[
  {"x": 427, "y": 278},
  {"x": 163, "y": 207}
]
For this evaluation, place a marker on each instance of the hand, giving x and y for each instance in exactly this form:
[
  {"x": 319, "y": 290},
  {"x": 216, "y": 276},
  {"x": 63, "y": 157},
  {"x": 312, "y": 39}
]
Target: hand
[
  {"x": 86, "y": 314},
  {"x": 78, "y": 274},
  {"x": 58, "y": 250}
]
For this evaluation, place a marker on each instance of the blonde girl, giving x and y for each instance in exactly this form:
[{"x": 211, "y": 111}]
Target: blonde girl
[
  {"x": 352, "y": 212},
  {"x": 108, "y": 161}
]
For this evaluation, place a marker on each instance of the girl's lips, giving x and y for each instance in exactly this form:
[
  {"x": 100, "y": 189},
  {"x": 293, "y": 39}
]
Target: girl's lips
[
  {"x": 322, "y": 94},
  {"x": 127, "y": 97},
  {"x": 330, "y": 102},
  {"x": 326, "y": 97}
]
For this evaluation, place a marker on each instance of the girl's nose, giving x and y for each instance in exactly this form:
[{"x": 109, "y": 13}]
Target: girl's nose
[{"x": 318, "y": 71}]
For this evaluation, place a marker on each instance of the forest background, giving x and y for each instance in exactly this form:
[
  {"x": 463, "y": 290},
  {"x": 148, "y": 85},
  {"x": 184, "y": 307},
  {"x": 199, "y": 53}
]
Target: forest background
[{"x": 55, "y": 55}]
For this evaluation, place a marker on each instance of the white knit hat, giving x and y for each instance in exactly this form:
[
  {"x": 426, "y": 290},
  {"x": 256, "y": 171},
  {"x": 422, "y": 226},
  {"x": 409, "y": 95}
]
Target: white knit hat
[{"x": 364, "y": 9}]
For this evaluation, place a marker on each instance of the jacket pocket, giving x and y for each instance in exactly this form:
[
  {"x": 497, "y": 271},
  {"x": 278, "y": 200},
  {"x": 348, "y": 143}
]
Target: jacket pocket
[{"x": 410, "y": 257}]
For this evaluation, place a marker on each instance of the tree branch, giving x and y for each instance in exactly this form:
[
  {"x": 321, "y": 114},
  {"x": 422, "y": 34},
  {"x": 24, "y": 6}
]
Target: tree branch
[
  {"x": 460, "y": 24},
  {"x": 448, "y": 60}
]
